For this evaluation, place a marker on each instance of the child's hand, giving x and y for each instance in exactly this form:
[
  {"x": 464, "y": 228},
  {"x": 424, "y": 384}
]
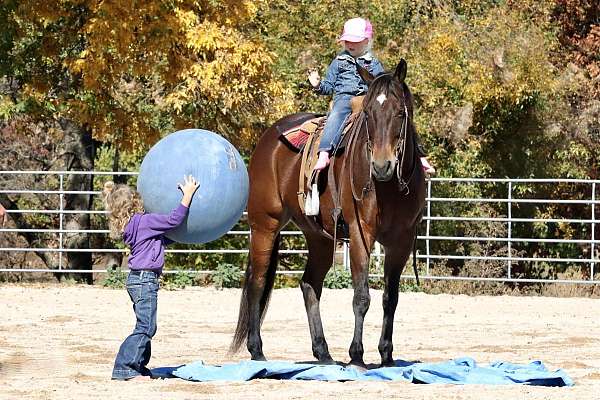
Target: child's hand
[
  {"x": 2, "y": 216},
  {"x": 314, "y": 78},
  {"x": 189, "y": 187}
]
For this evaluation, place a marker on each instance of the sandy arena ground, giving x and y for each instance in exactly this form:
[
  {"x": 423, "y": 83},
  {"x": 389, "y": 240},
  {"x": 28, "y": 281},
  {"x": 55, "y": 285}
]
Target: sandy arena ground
[{"x": 59, "y": 342}]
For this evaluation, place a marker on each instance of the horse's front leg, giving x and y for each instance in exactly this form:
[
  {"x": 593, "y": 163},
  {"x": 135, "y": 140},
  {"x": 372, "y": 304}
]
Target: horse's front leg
[
  {"x": 395, "y": 259},
  {"x": 320, "y": 255},
  {"x": 360, "y": 248}
]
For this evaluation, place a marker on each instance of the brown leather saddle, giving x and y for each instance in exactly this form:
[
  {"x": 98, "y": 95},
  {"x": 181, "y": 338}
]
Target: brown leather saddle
[
  {"x": 314, "y": 128},
  {"x": 304, "y": 137}
]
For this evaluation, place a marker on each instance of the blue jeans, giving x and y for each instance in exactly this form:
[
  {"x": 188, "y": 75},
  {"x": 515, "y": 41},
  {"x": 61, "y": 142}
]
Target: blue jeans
[
  {"x": 336, "y": 119},
  {"x": 135, "y": 351}
]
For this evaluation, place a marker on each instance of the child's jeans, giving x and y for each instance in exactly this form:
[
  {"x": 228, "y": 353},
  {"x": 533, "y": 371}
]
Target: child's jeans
[
  {"x": 335, "y": 122},
  {"x": 134, "y": 353}
]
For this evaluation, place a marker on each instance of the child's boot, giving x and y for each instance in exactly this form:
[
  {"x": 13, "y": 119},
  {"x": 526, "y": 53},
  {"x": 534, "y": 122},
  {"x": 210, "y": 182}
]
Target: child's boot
[
  {"x": 323, "y": 160},
  {"x": 428, "y": 168}
]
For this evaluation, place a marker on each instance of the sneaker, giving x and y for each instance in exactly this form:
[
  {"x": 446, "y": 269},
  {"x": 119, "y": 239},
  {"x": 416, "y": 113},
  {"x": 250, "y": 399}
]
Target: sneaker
[
  {"x": 428, "y": 168},
  {"x": 323, "y": 161}
]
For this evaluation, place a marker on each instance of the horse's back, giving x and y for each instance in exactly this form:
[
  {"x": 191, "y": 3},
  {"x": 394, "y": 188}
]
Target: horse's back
[
  {"x": 293, "y": 120},
  {"x": 269, "y": 140},
  {"x": 274, "y": 168}
]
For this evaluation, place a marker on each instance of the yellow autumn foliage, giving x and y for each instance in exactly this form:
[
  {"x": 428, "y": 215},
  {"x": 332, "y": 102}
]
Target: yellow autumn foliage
[
  {"x": 156, "y": 64},
  {"x": 496, "y": 57}
]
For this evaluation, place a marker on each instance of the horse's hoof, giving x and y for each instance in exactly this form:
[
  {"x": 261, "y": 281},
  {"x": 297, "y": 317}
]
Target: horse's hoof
[
  {"x": 326, "y": 361},
  {"x": 389, "y": 363},
  {"x": 259, "y": 358},
  {"x": 360, "y": 365}
]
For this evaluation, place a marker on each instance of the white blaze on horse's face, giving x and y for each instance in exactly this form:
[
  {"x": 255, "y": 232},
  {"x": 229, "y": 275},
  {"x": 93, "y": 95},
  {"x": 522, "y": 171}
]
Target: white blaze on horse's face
[{"x": 381, "y": 98}]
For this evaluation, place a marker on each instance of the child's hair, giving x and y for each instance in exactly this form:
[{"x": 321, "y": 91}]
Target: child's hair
[
  {"x": 122, "y": 202},
  {"x": 368, "y": 48}
]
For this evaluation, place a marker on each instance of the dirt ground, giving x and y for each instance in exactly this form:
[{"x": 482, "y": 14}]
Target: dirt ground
[{"x": 59, "y": 342}]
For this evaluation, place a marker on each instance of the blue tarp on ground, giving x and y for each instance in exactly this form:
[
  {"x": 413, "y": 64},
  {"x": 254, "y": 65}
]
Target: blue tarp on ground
[{"x": 459, "y": 371}]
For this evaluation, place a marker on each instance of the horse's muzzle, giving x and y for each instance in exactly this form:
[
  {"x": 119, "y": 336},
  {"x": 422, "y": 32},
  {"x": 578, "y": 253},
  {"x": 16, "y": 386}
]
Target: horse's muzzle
[{"x": 383, "y": 172}]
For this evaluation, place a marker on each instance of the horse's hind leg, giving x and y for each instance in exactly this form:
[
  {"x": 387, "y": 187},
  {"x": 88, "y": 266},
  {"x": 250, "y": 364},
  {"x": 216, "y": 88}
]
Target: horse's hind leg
[
  {"x": 395, "y": 259},
  {"x": 320, "y": 253},
  {"x": 263, "y": 262}
]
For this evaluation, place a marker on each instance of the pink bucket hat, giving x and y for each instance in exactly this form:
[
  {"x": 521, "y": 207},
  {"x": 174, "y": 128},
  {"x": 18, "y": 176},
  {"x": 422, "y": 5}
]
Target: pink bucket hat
[{"x": 357, "y": 30}]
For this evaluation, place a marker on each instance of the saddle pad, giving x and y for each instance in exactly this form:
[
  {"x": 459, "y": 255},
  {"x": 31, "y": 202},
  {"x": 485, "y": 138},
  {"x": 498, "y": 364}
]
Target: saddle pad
[{"x": 297, "y": 136}]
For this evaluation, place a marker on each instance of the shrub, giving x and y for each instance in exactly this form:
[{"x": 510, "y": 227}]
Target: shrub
[
  {"x": 338, "y": 278},
  {"x": 227, "y": 276},
  {"x": 177, "y": 281},
  {"x": 115, "y": 278}
]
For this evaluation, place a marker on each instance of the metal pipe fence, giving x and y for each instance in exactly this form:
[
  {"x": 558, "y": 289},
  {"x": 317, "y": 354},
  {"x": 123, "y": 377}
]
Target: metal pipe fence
[{"x": 461, "y": 224}]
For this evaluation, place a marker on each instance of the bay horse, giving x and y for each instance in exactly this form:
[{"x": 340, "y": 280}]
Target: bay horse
[{"x": 381, "y": 191}]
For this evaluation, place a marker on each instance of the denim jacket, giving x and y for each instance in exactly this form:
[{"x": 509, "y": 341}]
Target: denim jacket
[{"x": 342, "y": 75}]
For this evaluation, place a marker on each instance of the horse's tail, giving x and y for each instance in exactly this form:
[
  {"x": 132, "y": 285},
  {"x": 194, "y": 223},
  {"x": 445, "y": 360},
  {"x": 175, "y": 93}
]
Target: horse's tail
[{"x": 241, "y": 331}]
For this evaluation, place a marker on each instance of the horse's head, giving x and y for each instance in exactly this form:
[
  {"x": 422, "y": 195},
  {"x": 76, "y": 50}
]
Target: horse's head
[{"x": 388, "y": 109}]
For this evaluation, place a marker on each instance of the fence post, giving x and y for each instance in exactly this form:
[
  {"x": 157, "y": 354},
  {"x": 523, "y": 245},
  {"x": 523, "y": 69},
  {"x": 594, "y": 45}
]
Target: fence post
[
  {"x": 592, "y": 247},
  {"x": 509, "y": 227},
  {"x": 378, "y": 256},
  {"x": 60, "y": 223},
  {"x": 427, "y": 229}
]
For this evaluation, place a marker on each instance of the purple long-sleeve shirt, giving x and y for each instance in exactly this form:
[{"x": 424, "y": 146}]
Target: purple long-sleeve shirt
[{"x": 144, "y": 233}]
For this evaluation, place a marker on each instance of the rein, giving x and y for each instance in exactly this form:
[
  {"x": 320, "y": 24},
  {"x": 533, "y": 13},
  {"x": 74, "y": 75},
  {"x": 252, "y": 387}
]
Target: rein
[
  {"x": 352, "y": 141},
  {"x": 399, "y": 166}
]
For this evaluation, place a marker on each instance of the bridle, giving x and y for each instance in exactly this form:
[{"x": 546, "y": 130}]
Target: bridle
[
  {"x": 399, "y": 154},
  {"x": 355, "y": 133}
]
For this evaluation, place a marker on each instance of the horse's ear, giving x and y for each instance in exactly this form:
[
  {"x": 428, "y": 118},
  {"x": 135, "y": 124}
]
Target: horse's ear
[
  {"x": 401, "y": 68},
  {"x": 365, "y": 74}
]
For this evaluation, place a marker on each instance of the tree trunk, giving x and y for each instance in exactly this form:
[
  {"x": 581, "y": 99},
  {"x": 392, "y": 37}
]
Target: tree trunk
[
  {"x": 114, "y": 260},
  {"x": 79, "y": 150}
]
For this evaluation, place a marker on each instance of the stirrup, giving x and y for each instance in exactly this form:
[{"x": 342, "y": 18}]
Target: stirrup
[{"x": 311, "y": 204}]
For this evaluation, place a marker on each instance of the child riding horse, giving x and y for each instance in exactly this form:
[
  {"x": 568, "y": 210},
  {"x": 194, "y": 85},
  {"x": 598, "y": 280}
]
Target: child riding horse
[{"x": 380, "y": 189}]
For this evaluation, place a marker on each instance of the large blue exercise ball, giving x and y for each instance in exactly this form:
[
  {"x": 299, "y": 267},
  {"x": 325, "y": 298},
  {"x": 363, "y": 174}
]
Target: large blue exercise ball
[{"x": 215, "y": 163}]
